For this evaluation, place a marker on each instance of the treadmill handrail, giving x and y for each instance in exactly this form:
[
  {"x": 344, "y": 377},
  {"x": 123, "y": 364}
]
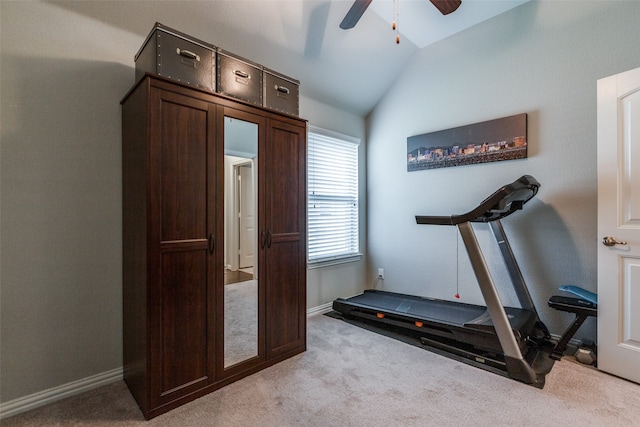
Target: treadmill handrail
[{"x": 503, "y": 202}]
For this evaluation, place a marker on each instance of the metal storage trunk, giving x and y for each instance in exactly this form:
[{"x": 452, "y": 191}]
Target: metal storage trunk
[
  {"x": 281, "y": 93},
  {"x": 239, "y": 77},
  {"x": 170, "y": 53}
]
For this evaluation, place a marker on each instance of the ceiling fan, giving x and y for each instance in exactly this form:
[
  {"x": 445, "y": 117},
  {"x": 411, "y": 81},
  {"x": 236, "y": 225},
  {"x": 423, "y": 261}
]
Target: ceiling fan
[{"x": 359, "y": 6}]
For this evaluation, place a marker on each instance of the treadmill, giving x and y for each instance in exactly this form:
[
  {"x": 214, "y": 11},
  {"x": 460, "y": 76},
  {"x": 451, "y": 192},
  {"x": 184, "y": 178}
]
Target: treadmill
[{"x": 511, "y": 341}]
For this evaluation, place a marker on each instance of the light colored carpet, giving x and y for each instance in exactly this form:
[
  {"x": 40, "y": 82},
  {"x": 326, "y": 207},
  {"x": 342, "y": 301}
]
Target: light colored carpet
[
  {"x": 240, "y": 321},
  {"x": 353, "y": 377}
]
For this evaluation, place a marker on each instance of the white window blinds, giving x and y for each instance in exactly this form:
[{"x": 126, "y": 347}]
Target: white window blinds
[{"x": 333, "y": 196}]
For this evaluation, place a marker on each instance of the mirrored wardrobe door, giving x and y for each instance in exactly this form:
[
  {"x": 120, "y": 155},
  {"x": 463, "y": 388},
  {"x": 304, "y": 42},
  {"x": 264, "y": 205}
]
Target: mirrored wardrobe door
[{"x": 240, "y": 241}]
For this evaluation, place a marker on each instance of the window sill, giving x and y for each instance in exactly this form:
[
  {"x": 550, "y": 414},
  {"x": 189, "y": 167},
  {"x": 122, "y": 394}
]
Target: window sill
[{"x": 333, "y": 261}]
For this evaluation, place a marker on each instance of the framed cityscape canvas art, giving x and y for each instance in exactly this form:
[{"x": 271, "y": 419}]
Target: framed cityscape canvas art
[{"x": 490, "y": 141}]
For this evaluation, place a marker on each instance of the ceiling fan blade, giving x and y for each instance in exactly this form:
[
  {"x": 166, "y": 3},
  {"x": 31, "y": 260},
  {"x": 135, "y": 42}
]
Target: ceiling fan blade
[
  {"x": 446, "y": 6},
  {"x": 353, "y": 16}
]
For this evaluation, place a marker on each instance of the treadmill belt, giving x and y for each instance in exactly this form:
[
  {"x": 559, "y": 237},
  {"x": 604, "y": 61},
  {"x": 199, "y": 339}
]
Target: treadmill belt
[{"x": 448, "y": 312}]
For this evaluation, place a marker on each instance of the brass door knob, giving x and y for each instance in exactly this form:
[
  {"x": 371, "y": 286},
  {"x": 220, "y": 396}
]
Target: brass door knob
[{"x": 611, "y": 241}]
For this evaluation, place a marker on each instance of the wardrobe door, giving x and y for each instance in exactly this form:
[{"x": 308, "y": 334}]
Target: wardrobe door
[
  {"x": 182, "y": 223},
  {"x": 284, "y": 237}
]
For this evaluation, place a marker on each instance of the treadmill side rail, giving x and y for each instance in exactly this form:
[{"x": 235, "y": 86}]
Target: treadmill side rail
[
  {"x": 519, "y": 285},
  {"x": 520, "y": 370},
  {"x": 489, "y": 292}
]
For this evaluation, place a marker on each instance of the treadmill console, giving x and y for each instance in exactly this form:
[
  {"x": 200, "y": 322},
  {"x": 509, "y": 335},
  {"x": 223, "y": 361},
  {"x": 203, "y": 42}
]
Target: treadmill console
[{"x": 503, "y": 202}]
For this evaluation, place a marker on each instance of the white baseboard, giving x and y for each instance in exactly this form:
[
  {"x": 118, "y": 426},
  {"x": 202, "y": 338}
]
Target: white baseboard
[
  {"x": 321, "y": 309},
  {"x": 41, "y": 398}
]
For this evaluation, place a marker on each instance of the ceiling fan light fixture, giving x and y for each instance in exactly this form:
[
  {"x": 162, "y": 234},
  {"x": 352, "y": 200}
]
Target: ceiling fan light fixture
[
  {"x": 446, "y": 6},
  {"x": 359, "y": 6},
  {"x": 394, "y": 26}
]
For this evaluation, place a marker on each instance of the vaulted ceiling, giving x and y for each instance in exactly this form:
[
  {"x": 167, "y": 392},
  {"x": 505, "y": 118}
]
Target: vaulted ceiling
[{"x": 351, "y": 69}]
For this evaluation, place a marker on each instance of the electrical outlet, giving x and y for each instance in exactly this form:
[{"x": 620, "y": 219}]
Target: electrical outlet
[{"x": 381, "y": 273}]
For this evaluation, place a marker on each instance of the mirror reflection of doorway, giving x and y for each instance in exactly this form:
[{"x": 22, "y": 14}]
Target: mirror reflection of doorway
[
  {"x": 240, "y": 255},
  {"x": 241, "y": 222},
  {"x": 247, "y": 217}
]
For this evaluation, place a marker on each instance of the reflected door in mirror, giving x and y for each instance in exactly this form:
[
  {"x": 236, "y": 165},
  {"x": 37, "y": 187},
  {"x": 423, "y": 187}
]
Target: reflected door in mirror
[{"x": 241, "y": 270}]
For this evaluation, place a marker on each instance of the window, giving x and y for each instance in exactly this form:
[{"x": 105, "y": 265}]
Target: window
[{"x": 332, "y": 209}]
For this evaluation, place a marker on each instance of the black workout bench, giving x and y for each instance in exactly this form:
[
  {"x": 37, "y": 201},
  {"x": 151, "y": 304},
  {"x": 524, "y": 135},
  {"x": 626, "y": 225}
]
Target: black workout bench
[{"x": 584, "y": 306}]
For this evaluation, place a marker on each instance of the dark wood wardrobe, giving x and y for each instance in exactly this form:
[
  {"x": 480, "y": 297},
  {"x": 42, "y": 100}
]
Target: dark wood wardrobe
[{"x": 178, "y": 228}]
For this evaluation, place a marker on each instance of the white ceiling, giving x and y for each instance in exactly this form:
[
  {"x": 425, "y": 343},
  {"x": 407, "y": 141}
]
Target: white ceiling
[
  {"x": 351, "y": 69},
  {"x": 421, "y": 23}
]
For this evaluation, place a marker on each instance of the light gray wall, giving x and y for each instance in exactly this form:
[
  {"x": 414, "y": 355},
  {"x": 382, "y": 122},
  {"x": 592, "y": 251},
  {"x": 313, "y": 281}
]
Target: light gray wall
[
  {"x": 543, "y": 59},
  {"x": 62, "y": 78},
  {"x": 342, "y": 280}
]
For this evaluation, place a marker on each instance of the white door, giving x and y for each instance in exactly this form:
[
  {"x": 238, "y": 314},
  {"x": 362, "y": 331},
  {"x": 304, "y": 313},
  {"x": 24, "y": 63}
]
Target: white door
[
  {"x": 619, "y": 220},
  {"x": 246, "y": 215}
]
